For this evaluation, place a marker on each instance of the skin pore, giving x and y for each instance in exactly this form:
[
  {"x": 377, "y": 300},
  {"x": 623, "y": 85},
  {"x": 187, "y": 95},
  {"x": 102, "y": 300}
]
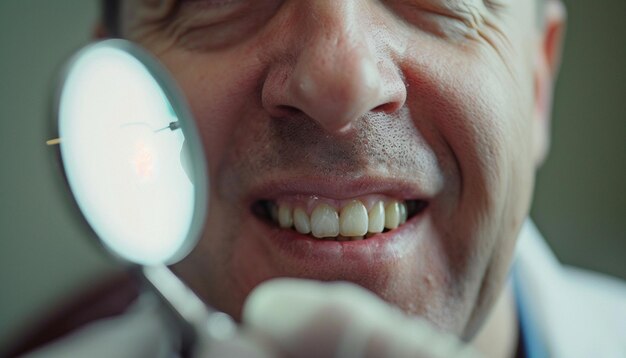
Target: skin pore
[{"x": 442, "y": 101}]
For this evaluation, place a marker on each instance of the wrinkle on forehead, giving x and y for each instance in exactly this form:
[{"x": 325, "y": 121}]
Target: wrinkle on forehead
[
  {"x": 136, "y": 14},
  {"x": 496, "y": 4},
  {"x": 472, "y": 11}
]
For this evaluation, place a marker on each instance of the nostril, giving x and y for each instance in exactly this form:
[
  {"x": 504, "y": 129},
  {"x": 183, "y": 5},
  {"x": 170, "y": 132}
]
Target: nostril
[
  {"x": 282, "y": 111},
  {"x": 388, "y": 107},
  {"x": 392, "y": 104},
  {"x": 288, "y": 109}
]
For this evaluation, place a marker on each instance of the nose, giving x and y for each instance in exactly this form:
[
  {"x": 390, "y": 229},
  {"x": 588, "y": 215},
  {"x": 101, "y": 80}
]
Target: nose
[{"x": 340, "y": 70}]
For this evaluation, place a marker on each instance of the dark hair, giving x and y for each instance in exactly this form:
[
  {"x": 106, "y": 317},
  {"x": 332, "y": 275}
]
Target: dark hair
[{"x": 111, "y": 17}]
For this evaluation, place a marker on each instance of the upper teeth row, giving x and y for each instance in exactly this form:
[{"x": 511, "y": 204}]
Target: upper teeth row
[{"x": 353, "y": 221}]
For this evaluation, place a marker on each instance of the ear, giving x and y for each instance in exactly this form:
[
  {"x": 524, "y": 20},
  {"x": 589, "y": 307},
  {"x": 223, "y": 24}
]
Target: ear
[{"x": 547, "y": 63}]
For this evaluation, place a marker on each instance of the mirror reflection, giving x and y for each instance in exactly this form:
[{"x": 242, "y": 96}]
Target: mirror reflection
[{"x": 125, "y": 156}]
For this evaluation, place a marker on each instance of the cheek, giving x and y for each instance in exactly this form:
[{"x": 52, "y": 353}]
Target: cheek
[
  {"x": 481, "y": 119},
  {"x": 221, "y": 93}
]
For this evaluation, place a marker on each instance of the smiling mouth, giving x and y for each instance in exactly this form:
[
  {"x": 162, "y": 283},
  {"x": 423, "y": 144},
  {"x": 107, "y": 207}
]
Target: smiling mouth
[{"x": 338, "y": 220}]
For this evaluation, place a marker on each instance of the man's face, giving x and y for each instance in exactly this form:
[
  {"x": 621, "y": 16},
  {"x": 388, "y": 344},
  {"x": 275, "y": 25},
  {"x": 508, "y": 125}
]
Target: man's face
[{"x": 317, "y": 104}]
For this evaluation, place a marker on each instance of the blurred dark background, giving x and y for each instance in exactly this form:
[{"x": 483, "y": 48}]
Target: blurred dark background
[{"x": 580, "y": 200}]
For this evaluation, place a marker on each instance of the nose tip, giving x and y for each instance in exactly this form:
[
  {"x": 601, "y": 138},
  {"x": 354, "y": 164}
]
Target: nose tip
[
  {"x": 336, "y": 75},
  {"x": 335, "y": 97}
]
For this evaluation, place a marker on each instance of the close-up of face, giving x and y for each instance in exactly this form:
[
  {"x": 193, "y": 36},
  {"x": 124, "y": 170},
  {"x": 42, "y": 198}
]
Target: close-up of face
[{"x": 391, "y": 143}]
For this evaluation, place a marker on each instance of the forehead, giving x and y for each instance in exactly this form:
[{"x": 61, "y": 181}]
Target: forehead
[
  {"x": 112, "y": 9},
  {"x": 158, "y": 23}
]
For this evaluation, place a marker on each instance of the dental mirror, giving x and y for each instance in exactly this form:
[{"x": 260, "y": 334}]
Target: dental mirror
[
  {"x": 131, "y": 154},
  {"x": 134, "y": 163}
]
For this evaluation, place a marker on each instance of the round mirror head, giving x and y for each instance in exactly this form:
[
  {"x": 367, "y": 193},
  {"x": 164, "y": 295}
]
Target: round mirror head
[{"x": 131, "y": 153}]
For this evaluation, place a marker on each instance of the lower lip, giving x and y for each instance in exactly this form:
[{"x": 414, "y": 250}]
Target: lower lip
[{"x": 306, "y": 252}]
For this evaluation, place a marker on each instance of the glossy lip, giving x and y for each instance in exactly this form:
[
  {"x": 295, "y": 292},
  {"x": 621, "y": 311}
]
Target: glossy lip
[{"x": 304, "y": 251}]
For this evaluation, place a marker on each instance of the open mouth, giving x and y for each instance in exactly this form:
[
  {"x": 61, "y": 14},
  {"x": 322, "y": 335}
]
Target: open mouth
[{"x": 338, "y": 220}]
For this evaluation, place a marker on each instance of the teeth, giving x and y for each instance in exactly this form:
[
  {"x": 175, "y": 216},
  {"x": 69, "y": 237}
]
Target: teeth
[
  {"x": 301, "y": 221},
  {"x": 376, "y": 222},
  {"x": 403, "y": 213},
  {"x": 324, "y": 221},
  {"x": 353, "y": 220},
  {"x": 392, "y": 215},
  {"x": 353, "y": 223},
  {"x": 285, "y": 220}
]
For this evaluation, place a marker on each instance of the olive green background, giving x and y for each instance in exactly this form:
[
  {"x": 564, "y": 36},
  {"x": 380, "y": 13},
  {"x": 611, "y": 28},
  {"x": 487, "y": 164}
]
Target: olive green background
[{"x": 580, "y": 201}]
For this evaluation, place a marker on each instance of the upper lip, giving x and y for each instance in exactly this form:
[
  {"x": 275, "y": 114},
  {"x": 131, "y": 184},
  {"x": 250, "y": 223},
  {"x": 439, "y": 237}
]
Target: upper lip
[{"x": 339, "y": 188}]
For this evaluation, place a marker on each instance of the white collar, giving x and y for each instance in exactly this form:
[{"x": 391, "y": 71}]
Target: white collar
[{"x": 572, "y": 313}]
